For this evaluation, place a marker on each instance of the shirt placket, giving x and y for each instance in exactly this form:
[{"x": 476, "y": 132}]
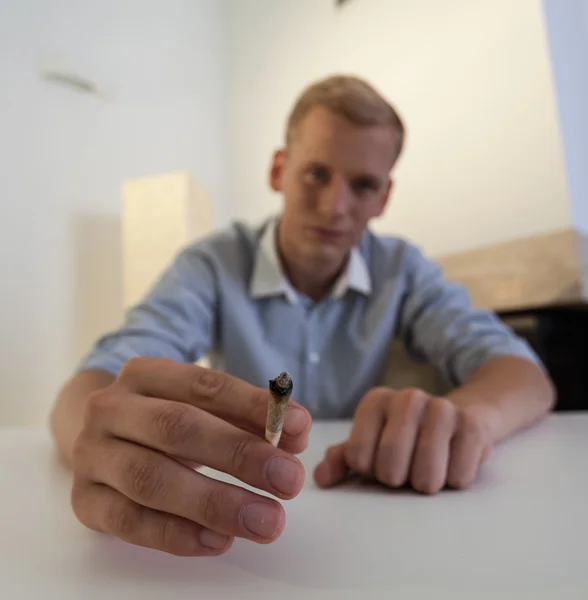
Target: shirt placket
[{"x": 310, "y": 358}]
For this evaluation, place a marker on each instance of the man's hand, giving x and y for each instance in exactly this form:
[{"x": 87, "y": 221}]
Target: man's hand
[
  {"x": 130, "y": 461},
  {"x": 408, "y": 436}
]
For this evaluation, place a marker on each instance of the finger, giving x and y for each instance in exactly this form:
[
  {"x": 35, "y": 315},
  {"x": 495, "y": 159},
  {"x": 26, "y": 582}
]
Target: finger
[
  {"x": 188, "y": 463},
  {"x": 103, "y": 509},
  {"x": 193, "y": 435},
  {"x": 228, "y": 397},
  {"x": 157, "y": 481},
  {"x": 469, "y": 448},
  {"x": 333, "y": 468},
  {"x": 486, "y": 452},
  {"x": 398, "y": 439},
  {"x": 360, "y": 448},
  {"x": 431, "y": 457}
]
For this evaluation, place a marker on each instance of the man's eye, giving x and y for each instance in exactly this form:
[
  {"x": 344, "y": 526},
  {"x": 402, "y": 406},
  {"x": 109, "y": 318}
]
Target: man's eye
[
  {"x": 319, "y": 174},
  {"x": 365, "y": 185}
]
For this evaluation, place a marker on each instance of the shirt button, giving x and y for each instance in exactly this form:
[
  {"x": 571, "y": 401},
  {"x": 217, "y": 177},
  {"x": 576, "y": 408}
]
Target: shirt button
[{"x": 313, "y": 357}]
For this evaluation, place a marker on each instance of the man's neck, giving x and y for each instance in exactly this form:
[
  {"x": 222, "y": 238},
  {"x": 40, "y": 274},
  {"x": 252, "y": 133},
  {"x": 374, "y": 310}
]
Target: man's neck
[{"x": 313, "y": 280}]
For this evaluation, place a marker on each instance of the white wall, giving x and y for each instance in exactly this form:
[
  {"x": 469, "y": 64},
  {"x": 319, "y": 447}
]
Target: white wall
[
  {"x": 567, "y": 25},
  {"x": 63, "y": 157},
  {"x": 470, "y": 77}
]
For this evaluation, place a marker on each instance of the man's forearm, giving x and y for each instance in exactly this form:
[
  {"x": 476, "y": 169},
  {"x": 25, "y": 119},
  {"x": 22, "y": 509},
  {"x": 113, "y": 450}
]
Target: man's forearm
[
  {"x": 515, "y": 392},
  {"x": 67, "y": 415}
]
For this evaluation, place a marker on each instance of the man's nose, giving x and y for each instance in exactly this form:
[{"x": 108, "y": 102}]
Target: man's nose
[{"x": 334, "y": 201}]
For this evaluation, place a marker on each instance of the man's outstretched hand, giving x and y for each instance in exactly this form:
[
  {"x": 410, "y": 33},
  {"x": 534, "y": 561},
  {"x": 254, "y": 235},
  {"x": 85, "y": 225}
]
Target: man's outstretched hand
[
  {"x": 401, "y": 437},
  {"x": 131, "y": 460}
]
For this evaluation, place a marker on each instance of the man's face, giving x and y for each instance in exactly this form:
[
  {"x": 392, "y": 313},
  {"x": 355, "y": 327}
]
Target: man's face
[{"x": 334, "y": 177}]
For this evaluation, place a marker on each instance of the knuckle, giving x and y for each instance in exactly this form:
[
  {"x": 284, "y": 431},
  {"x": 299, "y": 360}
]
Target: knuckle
[
  {"x": 441, "y": 404},
  {"x": 168, "y": 536},
  {"x": 175, "y": 425},
  {"x": 124, "y": 520},
  {"x": 357, "y": 458},
  {"x": 212, "y": 506},
  {"x": 258, "y": 405},
  {"x": 414, "y": 399},
  {"x": 375, "y": 397},
  {"x": 332, "y": 452},
  {"x": 99, "y": 406},
  {"x": 146, "y": 480},
  {"x": 95, "y": 405},
  {"x": 442, "y": 408},
  {"x": 207, "y": 383},
  {"x": 177, "y": 537},
  {"x": 387, "y": 471},
  {"x": 239, "y": 453},
  {"x": 473, "y": 426},
  {"x": 134, "y": 366},
  {"x": 79, "y": 453}
]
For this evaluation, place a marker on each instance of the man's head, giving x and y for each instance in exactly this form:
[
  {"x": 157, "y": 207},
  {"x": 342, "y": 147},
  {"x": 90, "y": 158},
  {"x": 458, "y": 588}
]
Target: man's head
[{"x": 342, "y": 140}]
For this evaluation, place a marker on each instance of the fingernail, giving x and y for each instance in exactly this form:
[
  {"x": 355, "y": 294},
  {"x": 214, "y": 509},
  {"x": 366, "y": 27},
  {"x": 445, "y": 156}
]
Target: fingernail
[
  {"x": 284, "y": 475},
  {"x": 296, "y": 421},
  {"x": 212, "y": 539},
  {"x": 261, "y": 519}
]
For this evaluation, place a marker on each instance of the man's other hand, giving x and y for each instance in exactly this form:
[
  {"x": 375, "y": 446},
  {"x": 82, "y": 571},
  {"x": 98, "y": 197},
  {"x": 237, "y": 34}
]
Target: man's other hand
[
  {"x": 131, "y": 461},
  {"x": 401, "y": 437}
]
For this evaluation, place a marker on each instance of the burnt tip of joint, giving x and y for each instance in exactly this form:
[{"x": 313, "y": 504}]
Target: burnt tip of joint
[{"x": 282, "y": 385}]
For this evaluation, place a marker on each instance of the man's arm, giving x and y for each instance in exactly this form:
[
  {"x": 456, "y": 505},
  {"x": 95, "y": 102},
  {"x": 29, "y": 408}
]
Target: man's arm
[
  {"x": 175, "y": 320},
  {"x": 482, "y": 358},
  {"x": 407, "y": 435},
  {"x": 516, "y": 392}
]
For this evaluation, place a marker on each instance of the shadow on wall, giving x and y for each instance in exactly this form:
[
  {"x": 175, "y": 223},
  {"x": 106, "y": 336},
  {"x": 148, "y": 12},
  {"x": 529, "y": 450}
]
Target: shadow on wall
[{"x": 98, "y": 280}]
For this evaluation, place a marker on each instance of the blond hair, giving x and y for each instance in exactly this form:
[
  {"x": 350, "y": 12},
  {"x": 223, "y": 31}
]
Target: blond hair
[{"x": 350, "y": 97}]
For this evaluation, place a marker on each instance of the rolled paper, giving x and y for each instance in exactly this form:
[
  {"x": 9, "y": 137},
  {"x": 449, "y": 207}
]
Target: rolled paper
[{"x": 280, "y": 391}]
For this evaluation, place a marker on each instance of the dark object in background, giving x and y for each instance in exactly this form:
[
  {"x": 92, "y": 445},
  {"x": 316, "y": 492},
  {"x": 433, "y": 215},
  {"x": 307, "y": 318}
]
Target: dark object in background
[{"x": 560, "y": 338}]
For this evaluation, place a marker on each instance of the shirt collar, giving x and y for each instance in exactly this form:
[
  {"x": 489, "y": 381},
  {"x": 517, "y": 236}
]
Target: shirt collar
[{"x": 269, "y": 280}]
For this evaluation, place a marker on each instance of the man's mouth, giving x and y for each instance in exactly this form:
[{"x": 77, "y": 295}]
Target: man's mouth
[{"x": 327, "y": 233}]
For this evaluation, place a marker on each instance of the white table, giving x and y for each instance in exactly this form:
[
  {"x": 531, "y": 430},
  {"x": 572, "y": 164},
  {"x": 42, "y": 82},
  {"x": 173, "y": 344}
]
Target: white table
[{"x": 520, "y": 532}]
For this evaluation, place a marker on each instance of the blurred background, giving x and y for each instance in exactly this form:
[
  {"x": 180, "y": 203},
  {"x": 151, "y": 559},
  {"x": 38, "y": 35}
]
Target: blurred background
[{"x": 94, "y": 95}]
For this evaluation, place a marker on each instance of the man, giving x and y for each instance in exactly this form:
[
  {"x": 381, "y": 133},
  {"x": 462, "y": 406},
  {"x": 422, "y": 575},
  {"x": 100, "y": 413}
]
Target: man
[{"x": 313, "y": 292}]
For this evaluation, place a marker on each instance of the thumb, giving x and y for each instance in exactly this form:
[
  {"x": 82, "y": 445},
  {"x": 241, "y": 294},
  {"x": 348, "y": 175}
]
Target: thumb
[{"x": 333, "y": 468}]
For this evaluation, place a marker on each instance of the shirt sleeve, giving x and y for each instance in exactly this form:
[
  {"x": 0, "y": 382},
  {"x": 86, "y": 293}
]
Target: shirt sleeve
[
  {"x": 175, "y": 319},
  {"x": 438, "y": 324}
]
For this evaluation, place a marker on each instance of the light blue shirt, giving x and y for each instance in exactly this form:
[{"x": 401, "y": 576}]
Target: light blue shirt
[{"x": 226, "y": 297}]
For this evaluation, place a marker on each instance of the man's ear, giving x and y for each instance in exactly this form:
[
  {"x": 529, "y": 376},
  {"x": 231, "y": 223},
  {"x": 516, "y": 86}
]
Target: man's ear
[
  {"x": 277, "y": 170},
  {"x": 385, "y": 197}
]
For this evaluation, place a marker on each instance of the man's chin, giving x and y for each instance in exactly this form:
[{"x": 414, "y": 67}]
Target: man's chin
[{"x": 326, "y": 253}]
